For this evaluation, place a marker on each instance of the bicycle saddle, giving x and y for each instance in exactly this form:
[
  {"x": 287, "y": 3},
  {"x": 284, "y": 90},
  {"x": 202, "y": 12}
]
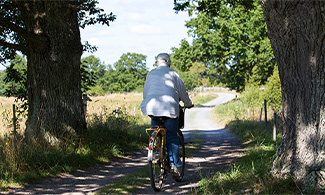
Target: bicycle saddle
[{"x": 159, "y": 118}]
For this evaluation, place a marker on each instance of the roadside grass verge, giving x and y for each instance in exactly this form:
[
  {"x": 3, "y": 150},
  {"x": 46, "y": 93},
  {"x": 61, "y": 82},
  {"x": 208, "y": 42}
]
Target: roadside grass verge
[
  {"x": 128, "y": 184},
  {"x": 250, "y": 174},
  {"x": 204, "y": 97},
  {"x": 22, "y": 163},
  {"x": 196, "y": 142}
]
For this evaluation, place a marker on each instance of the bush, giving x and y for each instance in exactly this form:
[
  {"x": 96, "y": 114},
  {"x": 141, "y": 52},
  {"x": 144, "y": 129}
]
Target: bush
[
  {"x": 252, "y": 95},
  {"x": 273, "y": 91},
  {"x": 96, "y": 90},
  {"x": 191, "y": 80}
]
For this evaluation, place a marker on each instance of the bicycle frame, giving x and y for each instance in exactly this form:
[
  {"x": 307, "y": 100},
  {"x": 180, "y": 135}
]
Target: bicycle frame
[
  {"x": 158, "y": 130},
  {"x": 158, "y": 159}
]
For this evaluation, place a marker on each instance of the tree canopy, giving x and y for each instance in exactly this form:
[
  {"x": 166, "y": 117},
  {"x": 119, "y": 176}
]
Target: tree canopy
[
  {"x": 230, "y": 38},
  {"x": 127, "y": 74}
]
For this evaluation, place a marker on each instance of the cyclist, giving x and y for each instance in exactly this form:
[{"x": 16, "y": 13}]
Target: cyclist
[{"x": 162, "y": 91}]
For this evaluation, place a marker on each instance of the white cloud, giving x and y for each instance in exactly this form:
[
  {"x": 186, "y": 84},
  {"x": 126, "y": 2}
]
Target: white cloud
[{"x": 145, "y": 29}]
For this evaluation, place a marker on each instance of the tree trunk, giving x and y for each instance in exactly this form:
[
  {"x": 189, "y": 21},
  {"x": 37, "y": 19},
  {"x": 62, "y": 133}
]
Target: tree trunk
[
  {"x": 296, "y": 30},
  {"x": 53, "y": 73}
]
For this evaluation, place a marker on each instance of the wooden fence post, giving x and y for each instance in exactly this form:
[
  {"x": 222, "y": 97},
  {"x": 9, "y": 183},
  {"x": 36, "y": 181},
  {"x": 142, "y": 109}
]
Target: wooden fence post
[
  {"x": 100, "y": 114},
  {"x": 84, "y": 102},
  {"x": 274, "y": 127},
  {"x": 14, "y": 119},
  {"x": 265, "y": 112}
]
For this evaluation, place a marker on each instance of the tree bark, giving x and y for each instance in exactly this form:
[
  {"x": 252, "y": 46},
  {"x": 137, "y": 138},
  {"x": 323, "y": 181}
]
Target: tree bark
[
  {"x": 53, "y": 73},
  {"x": 297, "y": 30}
]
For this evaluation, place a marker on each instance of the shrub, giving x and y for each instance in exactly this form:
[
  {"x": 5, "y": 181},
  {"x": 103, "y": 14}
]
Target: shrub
[{"x": 273, "y": 91}]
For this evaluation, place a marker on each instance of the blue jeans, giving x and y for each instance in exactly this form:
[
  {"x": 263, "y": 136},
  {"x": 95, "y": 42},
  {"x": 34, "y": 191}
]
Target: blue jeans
[{"x": 172, "y": 140}]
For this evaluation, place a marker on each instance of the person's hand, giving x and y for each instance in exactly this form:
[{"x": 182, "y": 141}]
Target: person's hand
[{"x": 191, "y": 106}]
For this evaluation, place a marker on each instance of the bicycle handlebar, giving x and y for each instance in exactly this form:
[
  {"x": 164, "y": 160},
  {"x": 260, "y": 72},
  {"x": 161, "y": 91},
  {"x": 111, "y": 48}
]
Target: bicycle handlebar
[{"x": 188, "y": 107}]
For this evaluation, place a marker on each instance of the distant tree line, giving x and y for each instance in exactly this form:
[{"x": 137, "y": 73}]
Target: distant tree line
[{"x": 127, "y": 74}]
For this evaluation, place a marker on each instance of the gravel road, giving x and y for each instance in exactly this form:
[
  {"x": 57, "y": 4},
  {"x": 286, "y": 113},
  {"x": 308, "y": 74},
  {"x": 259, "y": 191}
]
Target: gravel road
[{"x": 219, "y": 149}]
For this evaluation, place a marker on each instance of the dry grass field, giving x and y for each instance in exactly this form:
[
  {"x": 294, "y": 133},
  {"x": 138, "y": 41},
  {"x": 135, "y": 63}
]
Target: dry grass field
[
  {"x": 6, "y": 115},
  {"x": 128, "y": 103}
]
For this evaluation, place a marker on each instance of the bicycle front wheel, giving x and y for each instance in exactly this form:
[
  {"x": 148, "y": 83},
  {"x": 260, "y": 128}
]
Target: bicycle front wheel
[
  {"x": 181, "y": 154},
  {"x": 156, "y": 168}
]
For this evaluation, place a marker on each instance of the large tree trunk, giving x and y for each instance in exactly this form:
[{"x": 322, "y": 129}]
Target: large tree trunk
[
  {"x": 53, "y": 73},
  {"x": 296, "y": 30}
]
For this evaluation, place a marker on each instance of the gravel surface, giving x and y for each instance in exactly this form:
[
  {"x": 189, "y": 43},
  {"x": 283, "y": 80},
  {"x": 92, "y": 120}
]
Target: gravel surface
[{"x": 219, "y": 149}]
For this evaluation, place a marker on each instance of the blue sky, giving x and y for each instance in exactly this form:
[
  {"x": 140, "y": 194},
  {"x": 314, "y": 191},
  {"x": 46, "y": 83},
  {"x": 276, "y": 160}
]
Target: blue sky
[{"x": 147, "y": 27}]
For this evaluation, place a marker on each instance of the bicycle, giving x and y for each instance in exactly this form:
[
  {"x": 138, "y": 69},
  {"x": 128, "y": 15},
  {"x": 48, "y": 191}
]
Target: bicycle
[{"x": 157, "y": 153}]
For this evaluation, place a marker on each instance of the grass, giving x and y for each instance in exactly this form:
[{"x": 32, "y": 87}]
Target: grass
[
  {"x": 128, "y": 184},
  {"x": 203, "y": 97},
  {"x": 196, "y": 143},
  {"x": 102, "y": 142},
  {"x": 251, "y": 173}
]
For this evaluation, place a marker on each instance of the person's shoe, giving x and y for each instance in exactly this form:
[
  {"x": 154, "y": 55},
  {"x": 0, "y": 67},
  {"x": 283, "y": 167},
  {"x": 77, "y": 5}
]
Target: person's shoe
[{"x": 175, "y": 171}]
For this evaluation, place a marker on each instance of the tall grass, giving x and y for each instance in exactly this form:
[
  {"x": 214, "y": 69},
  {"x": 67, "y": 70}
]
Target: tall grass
[{"x": 103, "y": 141}]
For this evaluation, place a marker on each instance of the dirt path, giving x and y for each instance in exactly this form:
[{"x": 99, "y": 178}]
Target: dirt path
[{"x": 220, "y": 148}]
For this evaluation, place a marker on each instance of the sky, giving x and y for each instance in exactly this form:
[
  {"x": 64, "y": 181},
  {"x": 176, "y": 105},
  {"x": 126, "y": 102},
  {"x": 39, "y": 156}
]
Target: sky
[{"x": 146, "y": 27}]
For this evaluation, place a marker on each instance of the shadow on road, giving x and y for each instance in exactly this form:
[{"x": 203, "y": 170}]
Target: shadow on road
[
  {"x": 219, "y": 150},
  {"x": 206, "y": 106}
]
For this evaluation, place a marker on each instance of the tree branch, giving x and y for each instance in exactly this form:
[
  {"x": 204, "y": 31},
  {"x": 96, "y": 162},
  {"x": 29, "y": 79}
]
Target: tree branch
[
  {"x": 21, "y": 31},
  {"x": 7, "y": 24},
  {"x": 12, "y": 46}
]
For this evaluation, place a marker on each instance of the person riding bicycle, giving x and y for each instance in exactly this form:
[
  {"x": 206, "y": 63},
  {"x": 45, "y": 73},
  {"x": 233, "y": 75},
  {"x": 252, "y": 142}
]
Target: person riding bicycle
[{"x": 162, "y": 91}]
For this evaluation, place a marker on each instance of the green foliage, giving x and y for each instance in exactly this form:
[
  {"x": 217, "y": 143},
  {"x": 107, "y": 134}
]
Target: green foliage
[
  {"x": 251, "y": 100},
  {"x": 15, "y": 80},
  {"x": 88, "y": 78},
  {"x": 273, "y": 91},
  {"x": 182, "y": 57},
  {"x": 2, "y": 83},
  {"x": 229, "y": 39},
  {"x": 96, "y": 90},
  {"x": 252, "y": 95},
  {"x": 128, "y": 74},
  {"x": 191, "y": 80},
  {"x": 92, "y": 71},
  {"x": 89, "y": 14}
]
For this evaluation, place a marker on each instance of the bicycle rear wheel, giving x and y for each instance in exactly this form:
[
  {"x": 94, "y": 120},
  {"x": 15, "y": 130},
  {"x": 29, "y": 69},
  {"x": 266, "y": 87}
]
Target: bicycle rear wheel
[
  {"x": 181, "y": 154},
  {"x": 157, "y": 172}
]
